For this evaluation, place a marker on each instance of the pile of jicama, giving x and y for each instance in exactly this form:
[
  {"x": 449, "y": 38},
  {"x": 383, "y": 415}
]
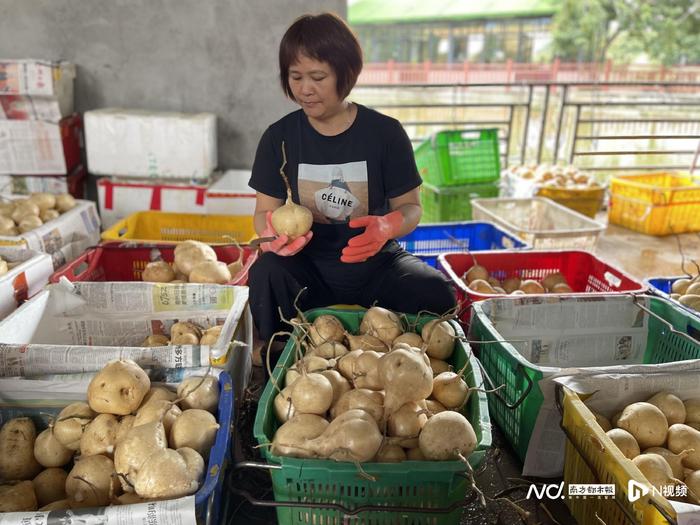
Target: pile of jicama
[
  {"x": 131, "y": 442},
  {"x": 555, "y": 176},
  {"x": 687, "y": 291},
  {"x": 478, "y": 279},
  {"x": 23, "y": 215},
  {"x": 661, "y": 437},
  {"x": 383, "y": 395},
  {"x": 195, "y": 262},
  {"x": 185, "y": 333}
]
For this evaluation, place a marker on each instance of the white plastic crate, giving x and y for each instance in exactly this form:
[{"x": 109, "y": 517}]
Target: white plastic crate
[
  {"x": 120, "y": 197},
  {"x": 540, "y": 222}
]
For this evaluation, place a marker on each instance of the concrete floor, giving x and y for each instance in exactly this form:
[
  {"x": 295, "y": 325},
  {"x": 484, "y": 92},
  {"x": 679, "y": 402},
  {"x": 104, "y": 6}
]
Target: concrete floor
[{"x": 645, "y": 256}]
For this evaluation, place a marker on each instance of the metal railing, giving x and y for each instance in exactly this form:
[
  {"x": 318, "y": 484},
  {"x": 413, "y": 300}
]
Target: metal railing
[
  {"x": 392, "y": 72},
  {"x": 599, "y": 126}
]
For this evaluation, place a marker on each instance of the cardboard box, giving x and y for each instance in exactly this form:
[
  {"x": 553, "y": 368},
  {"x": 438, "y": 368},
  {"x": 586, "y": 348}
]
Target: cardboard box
[
  {"x": 119, "y": 198},
  {"x": 39, "y": 78},
  {"x": 33, "y": 147},
  {"x": 26, "y": 184},
  {"x": 64, "y": 238},
  {"x": 24, "y": 280},
  {"x": 27, "y": 107},
  {"x": 231, "y": 195},
  {"x": 144, "y": 144}
]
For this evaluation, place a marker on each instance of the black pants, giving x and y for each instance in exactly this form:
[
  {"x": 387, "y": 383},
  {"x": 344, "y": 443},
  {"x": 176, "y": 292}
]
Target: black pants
[{"x": 394, "y": 279}]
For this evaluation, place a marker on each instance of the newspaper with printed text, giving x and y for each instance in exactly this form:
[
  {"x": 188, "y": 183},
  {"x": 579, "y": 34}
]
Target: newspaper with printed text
[
  {"x": 75, "y": 328},
  {"x": 179, "y": 511}
]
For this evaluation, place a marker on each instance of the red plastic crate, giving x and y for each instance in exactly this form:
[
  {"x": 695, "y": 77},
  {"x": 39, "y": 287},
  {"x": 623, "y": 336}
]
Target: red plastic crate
[
  {"x": 119, "y": 262},
  {"x": 584, "y": 272}
]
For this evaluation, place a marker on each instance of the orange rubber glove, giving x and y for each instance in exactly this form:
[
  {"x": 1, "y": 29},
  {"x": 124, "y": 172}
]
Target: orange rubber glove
[
  {"x": 378, "y": 230},
  {"x": 281, "y": 245}
]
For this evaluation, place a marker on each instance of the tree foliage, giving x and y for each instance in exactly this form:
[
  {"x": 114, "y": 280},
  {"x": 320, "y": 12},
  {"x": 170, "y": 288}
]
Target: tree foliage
[{"x": 666, "y": 31}]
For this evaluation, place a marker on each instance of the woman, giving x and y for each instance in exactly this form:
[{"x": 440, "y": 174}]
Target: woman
[{"x": 354, "y": 169}]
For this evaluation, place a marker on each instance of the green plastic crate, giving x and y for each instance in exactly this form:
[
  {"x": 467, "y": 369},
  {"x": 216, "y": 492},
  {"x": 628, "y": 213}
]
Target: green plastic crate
[
  {"x": 452, "y": 203},
  {"x": 421, "y": 484},
  {"x": 506, "y": 366},
  {"x": 451, "y": 158}
]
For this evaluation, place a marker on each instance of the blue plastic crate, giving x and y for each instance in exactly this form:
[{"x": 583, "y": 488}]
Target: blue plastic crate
[
  {"x": 661, "y": 286},
  {"x": 208, "y": 499},
  {"x": 427, "y": 241}
]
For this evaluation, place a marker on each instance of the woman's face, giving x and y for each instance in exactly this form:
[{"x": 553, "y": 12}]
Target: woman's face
[{"x": 313, "y": 85}]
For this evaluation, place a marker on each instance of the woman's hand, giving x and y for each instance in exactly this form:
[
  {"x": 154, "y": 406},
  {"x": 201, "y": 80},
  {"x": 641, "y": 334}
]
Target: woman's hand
[
  {"x": 378, "y": 230},
  {"x": 281, "y": 245}
]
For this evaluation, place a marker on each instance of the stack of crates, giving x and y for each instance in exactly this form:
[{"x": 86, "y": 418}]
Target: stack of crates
[{"x": 457, "y": 166}]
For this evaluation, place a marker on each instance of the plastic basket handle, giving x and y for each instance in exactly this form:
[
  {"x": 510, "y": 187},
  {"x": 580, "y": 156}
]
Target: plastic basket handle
[
  {"x": 87, "y": 262},
  {"x": 91, "y": 259},
  {"x": 492, "y": 386},
  {"x": 693, "y": 332},
  {"x": 558, "y": 399},
  {"x": 635, "y": 300},
  {"x": 335, "y": 506}
]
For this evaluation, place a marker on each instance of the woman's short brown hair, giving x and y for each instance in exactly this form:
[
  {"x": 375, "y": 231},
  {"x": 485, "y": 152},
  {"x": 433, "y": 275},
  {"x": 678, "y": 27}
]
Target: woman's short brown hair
[{"x": 326, "y": 38}]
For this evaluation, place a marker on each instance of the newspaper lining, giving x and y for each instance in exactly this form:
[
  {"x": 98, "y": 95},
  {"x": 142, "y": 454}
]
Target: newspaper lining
[
  {"x": 566, "y": 333},
  {"x": 179, "y": 511},
  {"x": 77, "y": 328},
  {"x": 36, "y": 360}
]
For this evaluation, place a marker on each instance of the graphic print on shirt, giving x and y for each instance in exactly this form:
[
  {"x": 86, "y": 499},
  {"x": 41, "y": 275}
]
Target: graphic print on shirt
[{"x": 334, "y": 193}]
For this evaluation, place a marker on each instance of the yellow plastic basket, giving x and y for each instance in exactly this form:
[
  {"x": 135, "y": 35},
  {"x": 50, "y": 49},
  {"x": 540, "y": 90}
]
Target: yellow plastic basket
[
  {"x": 586, "y": 201},
  {"x": 656, "y": 204},
  {"x": 164, "y": 227},
  {"x": 591, "y": 457}
]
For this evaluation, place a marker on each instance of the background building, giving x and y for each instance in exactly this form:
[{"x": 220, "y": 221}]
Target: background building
[{"x": 446, "y": 31}]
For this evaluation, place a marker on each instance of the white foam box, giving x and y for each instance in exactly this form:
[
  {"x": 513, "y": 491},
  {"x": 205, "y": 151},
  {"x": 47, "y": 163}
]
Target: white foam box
[
  {"x": 231, "y": 195},
  {"x": 64, "y": 238},
  {"x": 29, "y": 274},
  {"x": 36, "y": 89},
  {"x": 146, "y": 144},
  {"x": 119, "y": 198}
]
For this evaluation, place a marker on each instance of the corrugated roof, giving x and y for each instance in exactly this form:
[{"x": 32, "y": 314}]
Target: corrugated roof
[{"x": 405, "y": 11}]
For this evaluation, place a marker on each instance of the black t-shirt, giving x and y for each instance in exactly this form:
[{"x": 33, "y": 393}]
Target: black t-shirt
[{"x": 338, "y": 178}]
